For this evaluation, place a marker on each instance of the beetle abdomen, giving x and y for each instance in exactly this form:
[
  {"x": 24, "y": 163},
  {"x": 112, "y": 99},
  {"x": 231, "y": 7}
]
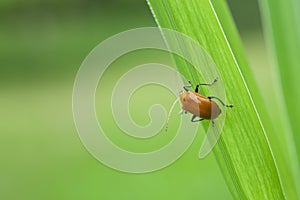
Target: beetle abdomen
[{"x": 209, "y": 110}]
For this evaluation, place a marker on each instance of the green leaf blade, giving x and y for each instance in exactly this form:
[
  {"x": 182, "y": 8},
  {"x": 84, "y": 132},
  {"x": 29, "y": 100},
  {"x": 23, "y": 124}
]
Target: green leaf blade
[
  {"x": 281, "y": 20},
  {"x": 243, "y": 150}
]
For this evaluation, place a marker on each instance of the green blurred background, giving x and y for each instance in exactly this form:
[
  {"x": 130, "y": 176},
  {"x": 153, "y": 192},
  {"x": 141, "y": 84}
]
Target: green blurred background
[{"x": 42, "y": 45}]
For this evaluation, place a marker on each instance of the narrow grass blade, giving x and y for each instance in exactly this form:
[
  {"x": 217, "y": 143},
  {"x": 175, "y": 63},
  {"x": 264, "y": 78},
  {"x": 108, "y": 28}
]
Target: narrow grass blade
[
  {"x": 243, "y": 150},
  {"x": 282, "y": 30}
]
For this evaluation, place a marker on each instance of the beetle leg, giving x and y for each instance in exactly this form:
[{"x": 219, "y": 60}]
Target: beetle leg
[
  {"x": 210, "y": 84},
  {"x": 213, "y": 123},
  {"x": 206, "y": 84},
  {"x": 197, "y": 88},
  {"x": 213, "y": 97},
  {"x": 187, "y": 86},
  {"x": 198, "y": 120}
]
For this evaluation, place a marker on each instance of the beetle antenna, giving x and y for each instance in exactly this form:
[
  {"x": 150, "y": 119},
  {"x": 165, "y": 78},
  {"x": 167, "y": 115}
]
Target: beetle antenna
[{"x": 169, "y": 114}]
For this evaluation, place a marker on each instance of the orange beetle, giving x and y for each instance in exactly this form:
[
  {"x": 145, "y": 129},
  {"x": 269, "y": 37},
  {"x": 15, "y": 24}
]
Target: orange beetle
[{"x": 199, "y": 105}]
